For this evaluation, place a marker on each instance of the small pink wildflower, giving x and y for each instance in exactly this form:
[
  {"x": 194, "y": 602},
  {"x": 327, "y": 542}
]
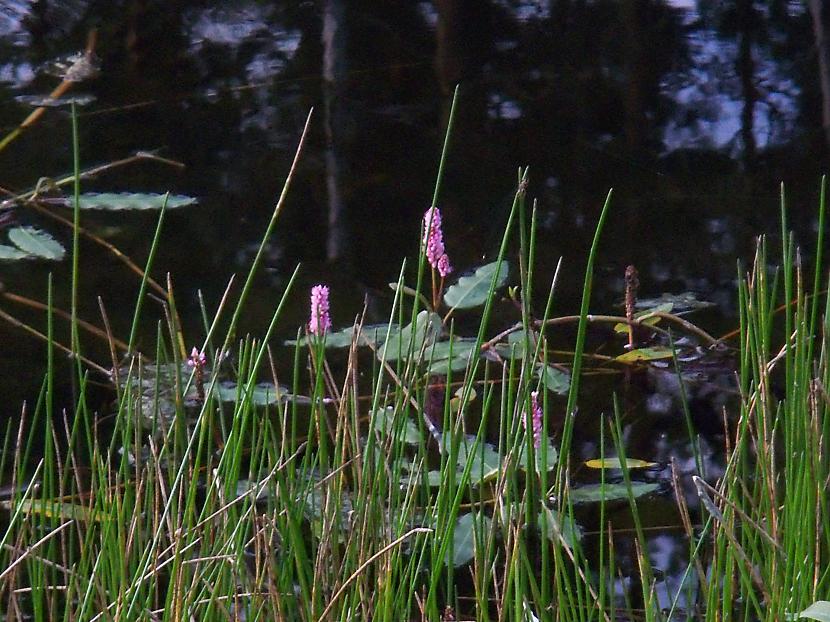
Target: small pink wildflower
[
  {"x": 197, "y": 359},
  {"x": 433, "y": 237},
  {"x": 444, "y": 267},
  {"x": 536, "y": 419},
  {"x": 320, "y": 322}
]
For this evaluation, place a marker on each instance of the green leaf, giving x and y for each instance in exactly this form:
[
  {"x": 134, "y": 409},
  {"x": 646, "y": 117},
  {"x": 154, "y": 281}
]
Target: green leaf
[
  {"x": 553, "y": 379},
  {"x": 552, "y": 523},
  {"x": 552, "y": 457},
  {"x": 486, "y": 461},
  {"x": 644, "y": 354},
  {"x": 594, "y": 493},
  {"x": 10, "y": 253},
  {"x": 263, "y": 394},
  {"x": 819, "y": 610},
  {"x": 427, "y": 329},
  {"x": 616, "y": 463},
  {"x": 464, "y": 536},
  {"x": 37, "y": 243},
  {"x": 56, "y": 509},
  {"x": 370, "y": 334},
  {"x": 514, "y": 349},
  {"x": 472, "y": 291},
  {"x": 130, "y": 201},
  {"x": 684, "y": 302},
  {"x": 384, "y": 422},
  {"x": 439, "y": 354}
]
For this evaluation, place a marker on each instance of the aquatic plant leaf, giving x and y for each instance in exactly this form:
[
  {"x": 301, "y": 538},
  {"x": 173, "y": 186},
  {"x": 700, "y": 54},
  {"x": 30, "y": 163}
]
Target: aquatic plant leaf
[
  {"x": 514, "y": 349},
  {"x": 644, "y": 354},
  {"x": 552, "y": 524},
  {"x": 684, "y": 302},
  {"x": 439, "y": 354},
  {"x": 594, "y": 493},
  {"x": 616, "y": 463},
  {"x": 370, "y": 334},
  {"x": 551, "y": 457},
  {"x": 471, "y": 291},
  {"x": 44, "y": 101},
  {"x": 426, "y": 330},
  {"x": 486, "y": 461},
  {"x": 56, "y": 509},
  {"x": 384, "y": 422},
  {"x": 553, "y": 379},
  {"x": 129, "y": 201},
  {"x": 37, "y": 243},
  {"x": 455, "y": 401},
  {"x": 10, "y": 253},
  {"x": 434, "y": 479},
  {"x": 819, "y": 610},
  {"x": 263, "y": 394},
  {"x": 464, "y": 536}
]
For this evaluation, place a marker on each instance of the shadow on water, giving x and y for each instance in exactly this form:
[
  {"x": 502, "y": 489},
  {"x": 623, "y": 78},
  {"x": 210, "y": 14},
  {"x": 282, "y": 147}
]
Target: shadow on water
[{"x": 692, "y": 111}]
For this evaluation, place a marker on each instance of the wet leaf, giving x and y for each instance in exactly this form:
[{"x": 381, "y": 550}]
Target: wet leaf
[
  {"x": 594, "y": 493},
  {"x": 551, "y": 457},
  {"x": 10, "y": 253},
  {"x": 553, "y": 379},
  {"x": 263, "y": 394},
  {"x": 55, "y": 509},
  {"x": 370, "y": 334},
  {"x": 684, "y": 302},
  {"x": 644, "y": 354},
  {"x": 616, "y": 463},
  {"x": 129, "y": 201},
  {"x": 464, "y": 536},
  {"x": 442, "y": 362},
  {"x": 819, "y": 610},
  {"x": 37, "y": 243},
  {"x": 471, "y": 291},
  {"x": 514, "y": 349},
  {"x": 552, "y": 524},
  {"x": 426, "y": 330},
  {"x": 486, "y": 461},
  {"x": 384, "y": 422},
  {"x": 455, "y": 401}
]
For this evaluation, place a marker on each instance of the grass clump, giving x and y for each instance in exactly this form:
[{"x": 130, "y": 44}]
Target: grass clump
[{"x": 417, "y": 473}]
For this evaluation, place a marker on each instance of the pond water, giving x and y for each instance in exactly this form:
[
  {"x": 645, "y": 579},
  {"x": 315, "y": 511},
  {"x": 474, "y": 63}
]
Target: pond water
[{"x": 694, "y": 112}]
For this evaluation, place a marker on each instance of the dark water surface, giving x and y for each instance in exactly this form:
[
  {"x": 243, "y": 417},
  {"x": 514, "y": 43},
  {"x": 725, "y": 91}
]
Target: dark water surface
[{"x": 693, "y": 112}]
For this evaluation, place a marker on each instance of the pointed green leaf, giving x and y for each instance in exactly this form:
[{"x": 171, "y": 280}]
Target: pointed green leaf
[
  {"x": 472, "y": 291},
  {"x": 553, "y": 378},
  {"x": 819, "y": 610},
  {"x": 594, "y": 493},
  {"x": 384, "y": 422},
  {"x": 644, "y": 354},
  {"x": 37, "y": 242},
  {"x": 410, "y": 340},
  {"x": 552, "y": 524},
  {"x": 370, "y": 334},
  {"x": 464, "y": 536},
  {"x": 10, "y": 253},
  {"x": 130, "y": 201},
  {"x": 486, "y": 461}
]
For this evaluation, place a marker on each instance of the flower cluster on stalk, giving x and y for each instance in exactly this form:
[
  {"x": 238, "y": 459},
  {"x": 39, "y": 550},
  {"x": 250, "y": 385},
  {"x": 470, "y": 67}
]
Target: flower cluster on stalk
[
  {"x": 533, "y": 421},
  {"x": 434, "y": 242},
  {"x": 320, "y": 322}
]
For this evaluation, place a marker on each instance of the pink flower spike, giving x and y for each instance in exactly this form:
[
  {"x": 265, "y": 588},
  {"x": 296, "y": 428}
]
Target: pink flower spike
[
  {"x": 197, "y": 359},
  {"x": 444, "y": 267},
  {"x": 433, "y": 236},
  {"x": 536, "y": 419},
  {"x": 320, "y": 322}
]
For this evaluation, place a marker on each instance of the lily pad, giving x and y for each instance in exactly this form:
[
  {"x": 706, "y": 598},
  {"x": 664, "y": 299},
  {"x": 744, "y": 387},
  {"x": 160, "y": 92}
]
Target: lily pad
[
  {"x": 595, "y": 493},
  {"x": 37, "y": 243},
  {"x": 472, "y": 291}
]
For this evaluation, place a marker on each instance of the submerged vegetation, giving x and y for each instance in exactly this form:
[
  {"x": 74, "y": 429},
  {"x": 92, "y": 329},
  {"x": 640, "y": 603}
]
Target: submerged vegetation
[{"x": 405, "y": 470}]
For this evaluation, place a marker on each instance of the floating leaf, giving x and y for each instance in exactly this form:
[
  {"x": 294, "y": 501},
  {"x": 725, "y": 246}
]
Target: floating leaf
[
  {"x": 514, "y": 349},
  {"x": 551, "y": 457},
  {"x": 644, "y": 354},
  {"x": 684, "y": 302},
  {"x": 263, "y": 394},
  {"x": 819, "y": 610},
  {"x": 455, "y": 401},
  {"x": 486, "y": 461},
  {"x": 443, "y": 361},
  {"x": 56, "y": 509},
  {"x": 129, "y": 200},
  {"x": 45, "y": 101},
  {"x": 464, "y": 537},
  {"x": 384, "y": 422},
  {"x": 471, "y": 291},
  {"x": 594, "y": 493},
  {"x": 552, "y": 524},
  {"x": 553, "y": 378},
  {"x": 10, "y": 253},
  {"x": 371, "y": 334},
  {"x": 37, "y": 243},
  {"x": 427, "y": 329},
  {"x": 616, "y": 463}
]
